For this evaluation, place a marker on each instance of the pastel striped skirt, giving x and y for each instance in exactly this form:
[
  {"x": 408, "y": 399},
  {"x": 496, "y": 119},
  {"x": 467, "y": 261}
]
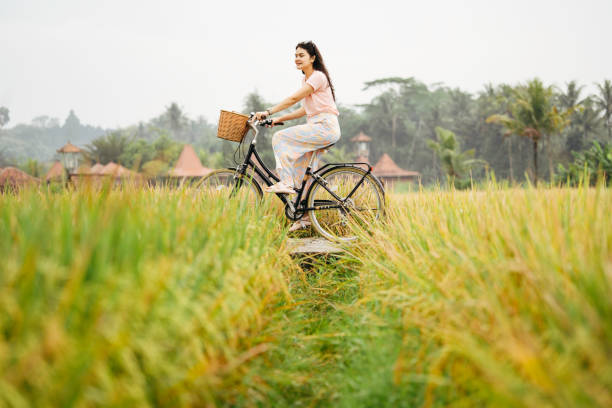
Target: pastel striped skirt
[{"x": 294, "y": 147}]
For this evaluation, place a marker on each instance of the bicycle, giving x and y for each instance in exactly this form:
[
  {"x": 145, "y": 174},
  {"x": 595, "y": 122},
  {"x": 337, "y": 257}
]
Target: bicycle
[{"x": 340, "y": 197}]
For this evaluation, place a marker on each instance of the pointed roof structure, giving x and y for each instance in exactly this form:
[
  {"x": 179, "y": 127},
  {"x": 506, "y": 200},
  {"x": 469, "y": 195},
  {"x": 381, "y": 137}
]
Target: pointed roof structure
[
  {"x": 117, "y": 170},
  {"x": 96, "y": 168},
  {"x": 188, "y": 164},
  {"x": 56, "y": 171},
  {"x": 68, "y": 148},
  {"x": 361, "y": 137},
  {"x": 386, "y": 167},
  {"x": 12, "y": 176}
]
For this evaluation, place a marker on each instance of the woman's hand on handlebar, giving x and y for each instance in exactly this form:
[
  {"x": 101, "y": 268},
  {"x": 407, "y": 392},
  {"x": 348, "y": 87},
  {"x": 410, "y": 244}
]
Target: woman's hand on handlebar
[
  {"x": 261, "y": 115},
  {"x": 275, "y": 122}
]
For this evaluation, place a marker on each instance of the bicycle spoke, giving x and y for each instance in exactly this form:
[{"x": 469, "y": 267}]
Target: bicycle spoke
[
  {"x": 224, "y": 184},
  {"x": 361, "y": 209}
]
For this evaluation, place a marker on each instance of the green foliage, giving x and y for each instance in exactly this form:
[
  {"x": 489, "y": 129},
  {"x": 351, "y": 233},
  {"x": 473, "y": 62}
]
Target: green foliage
[
  {"x": 401, "y": 117},
  {"x": 41, "y": 139},
  {"x": 155, "y": 168},
  {"x": 176, "y": 298},
  {"x": 33, "y": 167},
  {"x": 5, "y": 161},
  {"x": 254, "y": 102},
  {"x": 4, "y": 116},
  {"x": 175, "y": 117},
  {"x": 336, "y": 155},
  {"x": 108, "y": 148},
  {"x": 210, "y": 160},
  {"x": 166, "y": 149},
  {"x": 586, "y": 119},
  {"x": 456, "y": 164},
  {"x": 137, "y": 153},
  {"x": 604, "y": 103},
  {"x": 589, "y": 166},
  {"x": 134, "y": 297},
  {"x": 533, "y": 116},
  {"x": 503, "y": 295}
]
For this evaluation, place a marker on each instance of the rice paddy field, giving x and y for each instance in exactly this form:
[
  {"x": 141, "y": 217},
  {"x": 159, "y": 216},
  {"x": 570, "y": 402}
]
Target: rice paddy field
[{"x": 495, "y": 297}]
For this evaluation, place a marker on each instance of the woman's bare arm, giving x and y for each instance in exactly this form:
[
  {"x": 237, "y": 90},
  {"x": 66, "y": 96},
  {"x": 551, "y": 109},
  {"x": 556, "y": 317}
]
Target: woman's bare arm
[{"x": 292, "y": 100}]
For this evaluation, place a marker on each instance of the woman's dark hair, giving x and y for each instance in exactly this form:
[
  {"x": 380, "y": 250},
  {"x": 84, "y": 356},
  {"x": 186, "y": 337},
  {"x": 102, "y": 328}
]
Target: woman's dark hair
[{"x": 318, "y": 63}]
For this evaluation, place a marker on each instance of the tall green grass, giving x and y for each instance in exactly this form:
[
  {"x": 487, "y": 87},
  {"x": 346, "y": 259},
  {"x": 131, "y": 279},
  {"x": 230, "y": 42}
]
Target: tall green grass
[
  {"x": 165, "y": 297},
  {"x": 133, "y": 297},
  {"x": 505, "y": 295}
]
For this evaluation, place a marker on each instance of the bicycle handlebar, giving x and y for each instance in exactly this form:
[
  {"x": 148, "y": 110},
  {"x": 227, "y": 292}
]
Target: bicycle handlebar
[
  {"x": 265, "y": 122},
  {"x": 268, "y": 122}
]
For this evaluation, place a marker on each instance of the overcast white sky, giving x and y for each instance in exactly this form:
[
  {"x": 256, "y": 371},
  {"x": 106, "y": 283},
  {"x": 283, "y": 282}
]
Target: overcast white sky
[{"x": 117, "y": 62}]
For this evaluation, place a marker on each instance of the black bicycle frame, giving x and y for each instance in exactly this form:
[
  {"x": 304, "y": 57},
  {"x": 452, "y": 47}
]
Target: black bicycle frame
[{"x": 267, "y": 176}]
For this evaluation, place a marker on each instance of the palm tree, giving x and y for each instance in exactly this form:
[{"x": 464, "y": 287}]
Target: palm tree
[
  {"x": 455, "y": 162},
  {"x": 33, "y": 168},
  {"x": 389, "y": 107},
  {"x": 587, "y": 118},
  {"x": 490, "y": 100},
  {"x": 532, "y": 115},
  {"x": 604, "y": 103},
  {"x": 175, "y": 117},
  {"x": 571, "y": 97},
  {"x": 386, "y": 110},
  {"x": 107, "y": 148}
]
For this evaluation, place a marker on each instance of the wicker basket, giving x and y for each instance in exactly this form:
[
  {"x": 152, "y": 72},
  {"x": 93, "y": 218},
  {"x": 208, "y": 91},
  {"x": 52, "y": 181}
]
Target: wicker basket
[{"x": 232, "y": 126}]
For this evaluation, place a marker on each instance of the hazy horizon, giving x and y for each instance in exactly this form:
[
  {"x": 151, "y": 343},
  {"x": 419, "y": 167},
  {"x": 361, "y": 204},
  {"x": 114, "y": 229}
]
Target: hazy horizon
[{"x": 117, "y": 64}]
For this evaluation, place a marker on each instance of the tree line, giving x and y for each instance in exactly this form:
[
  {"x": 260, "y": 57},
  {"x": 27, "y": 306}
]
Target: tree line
[
  {"x": 527, "y": 130},
  {"x": 507, "y": 127}
]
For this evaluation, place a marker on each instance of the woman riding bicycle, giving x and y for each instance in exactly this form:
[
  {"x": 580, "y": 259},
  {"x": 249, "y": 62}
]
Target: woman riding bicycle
[{"x": 294, "y": 146}]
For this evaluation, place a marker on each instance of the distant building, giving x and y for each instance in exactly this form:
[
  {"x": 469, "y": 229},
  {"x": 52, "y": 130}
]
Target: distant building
[
  {"x": 385, "y": 169},
  {"x": 188, "y": 164},
  {"x": 56, "y": 172},
  {"x": 116, "y": 170},
  {"x": 362, "y": 143},
  {"x": 11, "y": 178},
  {"x": 96, "y": 168},
  {"x": 390, "y": 173},
  {"x": 70, "y": 155}
]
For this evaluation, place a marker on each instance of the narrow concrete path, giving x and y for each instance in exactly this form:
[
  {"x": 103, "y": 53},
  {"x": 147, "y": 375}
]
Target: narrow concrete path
[{"x": 311, "y": 246}]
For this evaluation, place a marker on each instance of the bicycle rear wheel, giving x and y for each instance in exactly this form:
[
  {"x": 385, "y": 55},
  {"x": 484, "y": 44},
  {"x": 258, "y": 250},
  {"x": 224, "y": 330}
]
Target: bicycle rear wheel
[
  {"x": 227, "y": 183},
  {"x": 336, "y": 219}
]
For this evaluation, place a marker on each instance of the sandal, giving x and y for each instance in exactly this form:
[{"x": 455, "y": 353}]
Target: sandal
[
  {"x": 280, "y": 188},
  {"x": 300, "y": 225}
]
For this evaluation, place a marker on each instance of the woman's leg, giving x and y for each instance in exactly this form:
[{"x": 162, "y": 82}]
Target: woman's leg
[{"x": 293, "y": 149}]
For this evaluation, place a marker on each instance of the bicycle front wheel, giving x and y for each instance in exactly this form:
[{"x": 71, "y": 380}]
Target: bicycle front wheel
[
  {"x": 347, "y": 198},
  {"x": 228, "y": 184}
]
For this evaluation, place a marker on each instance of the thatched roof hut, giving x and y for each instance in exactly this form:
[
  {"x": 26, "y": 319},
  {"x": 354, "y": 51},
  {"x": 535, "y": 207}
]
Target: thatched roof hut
[
  {"x": 361, "y": 137},
  {"x": 11, "y": 177},
  {"x": 117, "y": 170},
  {"x": 96, "y": 168},
  {"x": 69, "y": 148},
  {"x": 56, "y": 172},
  {"x": 386, "y": 168},
  {"x": 188, "y": 164}
]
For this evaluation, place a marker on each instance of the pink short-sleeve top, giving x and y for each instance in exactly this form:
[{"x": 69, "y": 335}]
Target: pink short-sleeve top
[{"x": 321, "y": 100}]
